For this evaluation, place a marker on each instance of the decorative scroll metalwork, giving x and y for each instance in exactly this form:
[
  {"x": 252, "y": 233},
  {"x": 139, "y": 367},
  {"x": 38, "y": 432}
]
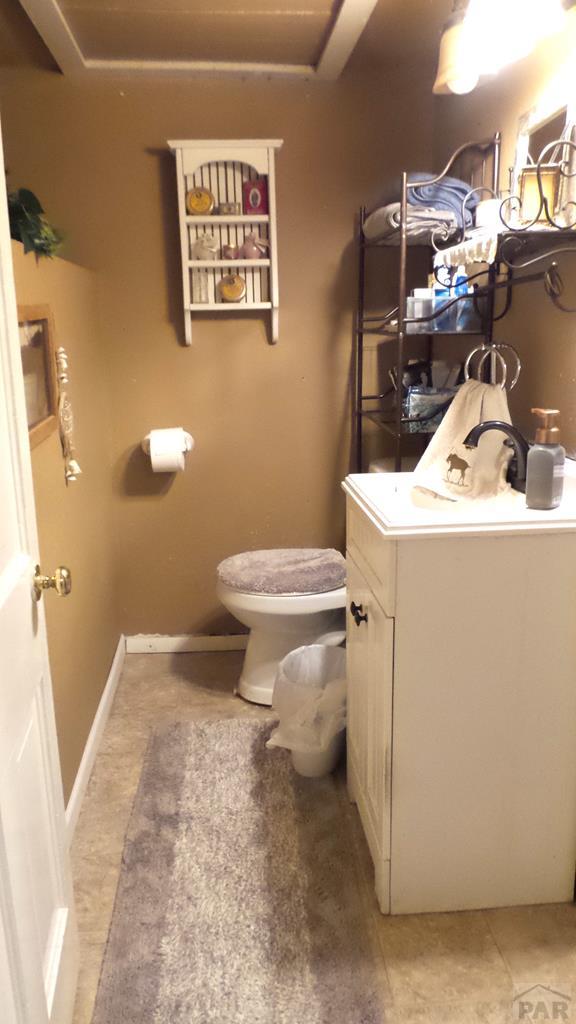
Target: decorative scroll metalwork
[
  {"x": 452, "y": 240},
  {"x": 554, "y": 286},
  {"x": 66, "y": 420},
  {"x": 510, "y": 248},
  {"x": 511, "y": 207}
]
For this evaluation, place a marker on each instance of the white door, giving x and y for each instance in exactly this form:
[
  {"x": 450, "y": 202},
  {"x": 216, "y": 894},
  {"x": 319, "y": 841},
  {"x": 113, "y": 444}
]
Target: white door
[{"x": 38, "y": 944}]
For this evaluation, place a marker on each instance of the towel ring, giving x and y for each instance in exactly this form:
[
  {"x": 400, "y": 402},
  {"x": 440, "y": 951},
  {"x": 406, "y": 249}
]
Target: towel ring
[
  {"x": 495, "y": 350},
  {"x": 486, "y": 350},
  {"x": 510, "y": 348}
]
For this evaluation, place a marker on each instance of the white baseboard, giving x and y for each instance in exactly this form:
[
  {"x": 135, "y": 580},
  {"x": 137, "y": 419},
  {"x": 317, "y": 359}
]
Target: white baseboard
[
  {"x": 95, "y": 735},
  {"x": 155, "y": 643}
]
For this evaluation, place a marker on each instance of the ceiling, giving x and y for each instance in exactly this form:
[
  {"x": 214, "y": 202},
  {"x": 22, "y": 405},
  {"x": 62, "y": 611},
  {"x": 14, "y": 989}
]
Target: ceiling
[
  {"x": 291, "y": 38},
  {"x": 283, "y": 32}
]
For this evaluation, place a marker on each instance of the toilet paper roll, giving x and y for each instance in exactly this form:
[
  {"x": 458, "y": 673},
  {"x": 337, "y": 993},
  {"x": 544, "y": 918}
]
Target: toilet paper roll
[{"x": 167, "y": 449}]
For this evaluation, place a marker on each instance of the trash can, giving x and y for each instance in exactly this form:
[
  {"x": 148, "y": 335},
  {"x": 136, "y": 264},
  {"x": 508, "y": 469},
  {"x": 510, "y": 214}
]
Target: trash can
[{"x": 310, "y": 701}]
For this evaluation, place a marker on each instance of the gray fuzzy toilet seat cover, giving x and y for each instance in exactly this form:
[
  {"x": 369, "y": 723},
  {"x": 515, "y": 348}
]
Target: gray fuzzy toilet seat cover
[{"x": 284, "y": 571}]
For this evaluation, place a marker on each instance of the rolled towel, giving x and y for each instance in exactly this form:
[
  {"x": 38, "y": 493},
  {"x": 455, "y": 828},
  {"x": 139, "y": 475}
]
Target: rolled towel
[
  {"x": 421, "y": 223},
  {"x": 445, "y": 195}
]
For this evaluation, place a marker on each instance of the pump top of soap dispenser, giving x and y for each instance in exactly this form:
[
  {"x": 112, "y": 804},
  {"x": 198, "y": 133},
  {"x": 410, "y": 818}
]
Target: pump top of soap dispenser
[{"x": 548, "y": 431}]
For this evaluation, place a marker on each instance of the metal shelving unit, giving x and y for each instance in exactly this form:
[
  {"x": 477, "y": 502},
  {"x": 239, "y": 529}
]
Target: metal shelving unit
[
  {"x": 392, "y": 326},
  {"x": 519, "y": 250}
]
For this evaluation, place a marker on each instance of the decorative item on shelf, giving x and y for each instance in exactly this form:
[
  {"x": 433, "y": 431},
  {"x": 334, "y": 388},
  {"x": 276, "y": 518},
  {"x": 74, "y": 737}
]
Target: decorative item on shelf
[
  {"x": 200, "y": 201},
  {"x": 255, "y": 196},
  {"x": 200, "y": 286},
  {"x": 29, "y": 225},
  {"x": 229, "y": 209},
  {"x": 62, "y": 366},
  {"x": 488, "y": 214},
  {"x": 253, "y": 248},
  {"x": 533, "y": 202},
  {"x": 205, "y": 247},
  {"x": 230, "y": 252},
  {"x": 547, "y": 193},
  {"x": 66, "y": 421},
  {"x": 232, "y": 288}
]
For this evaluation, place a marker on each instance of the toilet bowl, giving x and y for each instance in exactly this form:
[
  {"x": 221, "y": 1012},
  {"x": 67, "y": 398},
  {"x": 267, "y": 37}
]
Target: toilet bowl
[{"x": 281, "y": 621}]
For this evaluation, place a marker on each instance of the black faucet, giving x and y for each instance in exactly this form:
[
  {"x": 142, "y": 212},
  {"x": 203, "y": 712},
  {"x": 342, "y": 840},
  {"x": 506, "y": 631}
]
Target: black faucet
[{"x": 517, "y": 468}]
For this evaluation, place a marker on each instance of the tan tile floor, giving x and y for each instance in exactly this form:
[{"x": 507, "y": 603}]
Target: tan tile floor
[{"x": 460, "y": 968}]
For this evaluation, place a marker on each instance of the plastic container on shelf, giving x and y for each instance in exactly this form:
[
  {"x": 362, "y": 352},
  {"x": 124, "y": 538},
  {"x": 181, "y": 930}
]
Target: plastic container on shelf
[
  {"x": 425, "y": 407},
  {"x": 417, "y": 306},
  {"x": 460, "y": 317}
]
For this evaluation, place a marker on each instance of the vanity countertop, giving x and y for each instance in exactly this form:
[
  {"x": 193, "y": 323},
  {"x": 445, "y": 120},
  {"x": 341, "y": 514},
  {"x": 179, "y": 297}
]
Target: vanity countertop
[{"x": 386, "y": 498}]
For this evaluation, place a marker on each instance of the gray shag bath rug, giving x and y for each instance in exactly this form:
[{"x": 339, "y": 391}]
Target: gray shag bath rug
[{"x": 238, "y": 900}]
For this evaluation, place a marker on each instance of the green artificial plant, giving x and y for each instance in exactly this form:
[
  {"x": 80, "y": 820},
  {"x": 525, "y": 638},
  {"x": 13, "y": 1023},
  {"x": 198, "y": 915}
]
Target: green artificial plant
[{"x": 29, "y": 225}]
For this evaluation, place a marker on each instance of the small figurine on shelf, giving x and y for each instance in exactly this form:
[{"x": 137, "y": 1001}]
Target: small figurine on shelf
[
  {"x": 229, "y": 209},
  {"x": 230, "y": 252},
  {"x": 199, "y": 201},
  {"x": 231, "y": 288},
  {"x": 205, "y": 247},
  {"x": 254, "y": 248},
  {"x": 201, "y": 285}
]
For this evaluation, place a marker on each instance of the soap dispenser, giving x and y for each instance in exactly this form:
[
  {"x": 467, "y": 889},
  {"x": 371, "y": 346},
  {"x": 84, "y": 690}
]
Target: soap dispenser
[{"x": 545, "y": 463}]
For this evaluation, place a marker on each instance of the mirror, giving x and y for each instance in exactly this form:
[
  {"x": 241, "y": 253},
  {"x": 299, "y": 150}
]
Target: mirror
[{"x": 543, "y": 134}]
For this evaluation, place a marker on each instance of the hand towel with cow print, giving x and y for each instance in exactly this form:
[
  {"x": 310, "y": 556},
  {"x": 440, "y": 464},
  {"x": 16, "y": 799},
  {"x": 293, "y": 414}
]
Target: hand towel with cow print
[{"x": 451, "y": 471}]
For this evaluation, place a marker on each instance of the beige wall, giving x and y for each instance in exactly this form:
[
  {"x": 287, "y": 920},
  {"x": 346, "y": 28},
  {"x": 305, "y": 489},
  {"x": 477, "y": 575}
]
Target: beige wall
[
  {"x": 74, "y": 522},
  {"x": 543, "y": 336},
  {"x": 271, "y": 423}
]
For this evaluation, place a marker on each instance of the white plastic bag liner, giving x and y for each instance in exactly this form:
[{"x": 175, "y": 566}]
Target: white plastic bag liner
[{"x": 310, "y": 698}]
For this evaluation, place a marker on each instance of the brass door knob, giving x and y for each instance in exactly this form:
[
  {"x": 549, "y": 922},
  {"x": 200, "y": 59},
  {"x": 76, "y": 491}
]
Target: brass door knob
[{"x": 61, "y": 582}]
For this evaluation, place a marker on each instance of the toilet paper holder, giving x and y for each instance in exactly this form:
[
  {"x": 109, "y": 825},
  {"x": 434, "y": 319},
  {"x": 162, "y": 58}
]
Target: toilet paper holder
[{"x": 187, "y": 439}]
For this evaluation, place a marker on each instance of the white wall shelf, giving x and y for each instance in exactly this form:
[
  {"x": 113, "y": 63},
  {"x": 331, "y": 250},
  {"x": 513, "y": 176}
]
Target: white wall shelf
[
  {"x": 223, "y": 167},
  {"x": 226, "y": 307},
  {"x": 228, "y": 263},
  {"x": 236, "y": 218}
]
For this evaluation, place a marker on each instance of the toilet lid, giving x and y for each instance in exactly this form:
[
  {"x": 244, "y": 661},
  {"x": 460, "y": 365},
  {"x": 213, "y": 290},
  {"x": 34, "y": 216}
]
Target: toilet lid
[{"x": 284, "y": 571}]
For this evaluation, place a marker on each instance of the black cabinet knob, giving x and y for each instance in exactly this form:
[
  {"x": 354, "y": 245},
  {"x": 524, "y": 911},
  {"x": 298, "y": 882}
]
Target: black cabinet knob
[{"x": 356, "y": 612}]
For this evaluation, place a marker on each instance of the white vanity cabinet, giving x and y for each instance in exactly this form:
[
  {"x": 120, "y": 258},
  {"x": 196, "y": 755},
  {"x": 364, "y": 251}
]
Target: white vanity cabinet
[{"x": 462, "y": 704}]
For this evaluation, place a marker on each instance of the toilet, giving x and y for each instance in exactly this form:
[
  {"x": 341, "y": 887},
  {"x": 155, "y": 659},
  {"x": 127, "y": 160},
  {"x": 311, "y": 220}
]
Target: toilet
[{"x": 288, "y": 597}]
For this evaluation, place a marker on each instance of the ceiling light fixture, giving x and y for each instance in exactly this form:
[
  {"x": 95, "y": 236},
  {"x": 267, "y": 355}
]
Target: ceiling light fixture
[
  {"x": 483, "y": 36},
  {"x": 453, "y": 74}
]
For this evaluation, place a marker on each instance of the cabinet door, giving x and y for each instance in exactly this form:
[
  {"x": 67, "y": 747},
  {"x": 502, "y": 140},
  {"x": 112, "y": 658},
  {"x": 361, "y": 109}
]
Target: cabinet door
[{"x": 370, "y": 649}]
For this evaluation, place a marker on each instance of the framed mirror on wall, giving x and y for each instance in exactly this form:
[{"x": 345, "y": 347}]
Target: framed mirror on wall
[{"x": 37, "y": 349}]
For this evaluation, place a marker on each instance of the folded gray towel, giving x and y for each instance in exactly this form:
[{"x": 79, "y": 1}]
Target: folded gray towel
[
  {"x": 446, "y": 194},
  {"x": 421, "y": 223},
  {"x": 284, "y": 571}
]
